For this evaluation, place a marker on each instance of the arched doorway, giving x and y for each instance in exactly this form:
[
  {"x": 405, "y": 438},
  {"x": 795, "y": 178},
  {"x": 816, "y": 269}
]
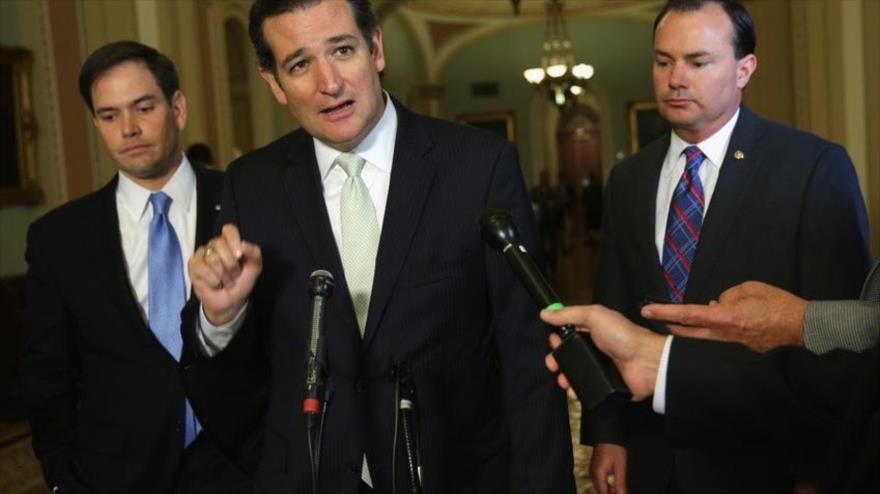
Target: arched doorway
[{"x": 579, "y": 141}]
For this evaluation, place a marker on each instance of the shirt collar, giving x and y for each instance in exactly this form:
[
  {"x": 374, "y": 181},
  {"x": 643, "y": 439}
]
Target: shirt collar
[
  {"x": 714, "y": 147},
  {"x": 134, "y": 199},
  {"x": 377, "y": 148}
]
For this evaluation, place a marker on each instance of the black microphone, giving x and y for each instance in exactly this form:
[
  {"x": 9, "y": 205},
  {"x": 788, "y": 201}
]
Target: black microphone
[
  {"x": 320, "y": 289},
  {"x": 592, "y": 374}
]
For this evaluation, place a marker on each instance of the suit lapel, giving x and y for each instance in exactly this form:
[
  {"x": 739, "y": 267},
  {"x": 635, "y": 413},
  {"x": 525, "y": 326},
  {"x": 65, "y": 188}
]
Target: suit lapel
[
  {"x": 208, "y": 189},
  {"x": 734, "y": 183},
  {"x": 108, "y": 253},
  {"x": 645, "y": 208},
  {"x": 303, "y": 188},
  {"x": 411, "y": 176}
]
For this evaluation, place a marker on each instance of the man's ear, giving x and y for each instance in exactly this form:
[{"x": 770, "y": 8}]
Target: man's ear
[
  {"x": 745, "y": 67},
  {"x": 178, "y": 106},
  {"x": 378, "y": 51},
  {"x": 272, "y": 81}
]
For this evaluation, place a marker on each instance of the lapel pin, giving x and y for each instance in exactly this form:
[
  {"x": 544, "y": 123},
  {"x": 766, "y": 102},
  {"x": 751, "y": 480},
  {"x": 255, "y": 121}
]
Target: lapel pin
[
  {"x": 216, "y": 207},
  {"x": 738, "y": 155}
]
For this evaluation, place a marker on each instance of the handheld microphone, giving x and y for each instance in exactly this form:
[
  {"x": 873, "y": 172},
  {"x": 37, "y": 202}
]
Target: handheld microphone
[
  {"x": 320, "y": 289},
  {"x": 592, "y": 375}
]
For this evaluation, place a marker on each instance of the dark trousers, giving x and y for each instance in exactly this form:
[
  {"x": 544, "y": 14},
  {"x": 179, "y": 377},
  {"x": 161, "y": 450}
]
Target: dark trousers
[{"x": 204, "y": 469}]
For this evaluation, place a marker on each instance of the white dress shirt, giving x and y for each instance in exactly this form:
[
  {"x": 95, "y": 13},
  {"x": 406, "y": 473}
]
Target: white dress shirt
[
  {"x": 377, "y": 150},
  {"x": 135, "y": 213},
  {"x": 659, "y": 402},
  {"x": 715, "y": 148}
]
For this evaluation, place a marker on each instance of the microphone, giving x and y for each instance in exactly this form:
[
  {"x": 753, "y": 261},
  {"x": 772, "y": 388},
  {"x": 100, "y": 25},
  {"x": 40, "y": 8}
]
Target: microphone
[
  {"x": 592, "y": 374},
  {"x": 320, "y": 290}
]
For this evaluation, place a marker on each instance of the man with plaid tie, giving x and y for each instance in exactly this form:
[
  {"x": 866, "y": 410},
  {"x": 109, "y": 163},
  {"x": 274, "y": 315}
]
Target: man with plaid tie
[{"x": 723, "y": 198}]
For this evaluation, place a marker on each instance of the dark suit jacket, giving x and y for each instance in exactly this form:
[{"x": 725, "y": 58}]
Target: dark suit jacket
[
  {"x": 788, "y": 400},
  {"x": 491, "y": 419},
  {"x": 788, "y": 213},
  {"x": 105, "y": 398}
]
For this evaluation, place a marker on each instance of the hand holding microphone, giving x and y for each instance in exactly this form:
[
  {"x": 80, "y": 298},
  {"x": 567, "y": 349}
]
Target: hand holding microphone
[{"x": 591, "y": 374}]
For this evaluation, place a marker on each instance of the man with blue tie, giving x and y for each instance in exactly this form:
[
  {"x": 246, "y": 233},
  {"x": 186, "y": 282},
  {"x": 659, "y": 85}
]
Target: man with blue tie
[
  {"x": 105, "y": 286},
  {"x": 723, "y": 198}
]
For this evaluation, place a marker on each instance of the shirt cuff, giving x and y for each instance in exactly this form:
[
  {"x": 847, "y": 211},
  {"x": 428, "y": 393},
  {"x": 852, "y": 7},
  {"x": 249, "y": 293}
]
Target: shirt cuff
[
  {"x": 213, "y": 339},
  {"x": 660, "y": 385}
]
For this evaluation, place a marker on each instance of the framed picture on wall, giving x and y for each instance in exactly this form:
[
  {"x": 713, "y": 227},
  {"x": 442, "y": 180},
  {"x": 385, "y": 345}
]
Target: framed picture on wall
[
  {"x": 502, "y": 123},
  {"x": 644, "y": 124},
  {"x": 18, "y": 183}
]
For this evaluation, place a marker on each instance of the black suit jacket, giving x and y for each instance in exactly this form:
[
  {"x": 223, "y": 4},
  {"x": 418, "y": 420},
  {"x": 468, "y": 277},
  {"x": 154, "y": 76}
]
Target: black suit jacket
[
  {"x": 491, "y": 418},
  {"x": 789, "y": 401},
  {"x": 105, "y": 398},
  {"x": 788, "y": 212}
]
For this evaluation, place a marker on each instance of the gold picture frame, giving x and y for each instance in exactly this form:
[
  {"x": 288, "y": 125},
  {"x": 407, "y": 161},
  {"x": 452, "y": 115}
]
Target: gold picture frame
[
  {"x": 644, "y": 124},
  {"x": 501, "y": 123},
  {"x": 18, "y": 180}
]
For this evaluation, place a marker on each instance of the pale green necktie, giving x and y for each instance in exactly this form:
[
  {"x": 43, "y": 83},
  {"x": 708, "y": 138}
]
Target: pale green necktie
[
  {"x": 360, "y": 242},
  {"x": 360, "y": 236}
]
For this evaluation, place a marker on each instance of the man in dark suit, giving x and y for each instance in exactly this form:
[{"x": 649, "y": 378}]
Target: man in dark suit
[
  {"x": 789, "y": 400},
  {"x": 388, "y": 201},
  {"x": 723, "y": 198},
  {"x": 105, "y": 286}
]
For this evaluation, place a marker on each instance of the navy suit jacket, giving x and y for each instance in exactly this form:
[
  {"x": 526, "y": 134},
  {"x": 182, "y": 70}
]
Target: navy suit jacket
[
  {"x": 491, "y": 417},
  {"x": 786, "y": 210},
  {"x": 105, "y": 399}
]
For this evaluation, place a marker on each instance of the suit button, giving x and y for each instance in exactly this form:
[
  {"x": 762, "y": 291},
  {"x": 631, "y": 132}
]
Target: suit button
[
  {"x": 354, "y": 468},
  {"x": 361, "y": 385},
  {"x": 178, "y": 426}
]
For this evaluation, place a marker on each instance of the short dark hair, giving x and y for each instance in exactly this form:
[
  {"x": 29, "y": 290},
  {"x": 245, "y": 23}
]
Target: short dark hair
[
  {"x": 744, "y": 40},
  {"x": 263, "y": 9},
  {"x": 113, "y": 54}
]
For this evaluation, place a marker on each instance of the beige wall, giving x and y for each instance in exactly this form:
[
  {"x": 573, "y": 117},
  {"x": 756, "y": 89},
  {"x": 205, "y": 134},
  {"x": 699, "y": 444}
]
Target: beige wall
[
  {"x": 871, "y": 182},
  {"x": 819, "y": 70}
]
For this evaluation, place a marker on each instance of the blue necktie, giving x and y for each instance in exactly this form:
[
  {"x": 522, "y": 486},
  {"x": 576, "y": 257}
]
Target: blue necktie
[
  {"x": 167, "y": 292},
  {"x": 683, "y": 226}
]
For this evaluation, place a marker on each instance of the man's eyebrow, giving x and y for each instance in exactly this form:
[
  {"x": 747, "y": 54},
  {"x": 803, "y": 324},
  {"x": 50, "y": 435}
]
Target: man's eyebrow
[
  {"x": 340, "y": 38},
  {"x": 144, "y": 98},
  {"x": 330, "y": 41},
  {"x": 688, "y": 56},
  {"x": 292, "y": 56}
]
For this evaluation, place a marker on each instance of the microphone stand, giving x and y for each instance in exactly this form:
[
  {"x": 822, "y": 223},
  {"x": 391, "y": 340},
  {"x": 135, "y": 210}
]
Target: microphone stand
[
  {"x": 314, "y": 412},
  {"x": 316, "y": 394},
  {"x": 406, "y": 414}
]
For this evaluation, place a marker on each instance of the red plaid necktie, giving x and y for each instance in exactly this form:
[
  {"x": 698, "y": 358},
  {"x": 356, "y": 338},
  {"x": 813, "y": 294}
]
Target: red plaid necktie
[{"x": 683, "y": 226}]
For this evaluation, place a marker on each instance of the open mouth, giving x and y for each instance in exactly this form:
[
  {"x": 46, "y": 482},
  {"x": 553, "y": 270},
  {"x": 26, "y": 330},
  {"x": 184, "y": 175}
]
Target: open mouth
[{"x": 340, "y": 108}]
